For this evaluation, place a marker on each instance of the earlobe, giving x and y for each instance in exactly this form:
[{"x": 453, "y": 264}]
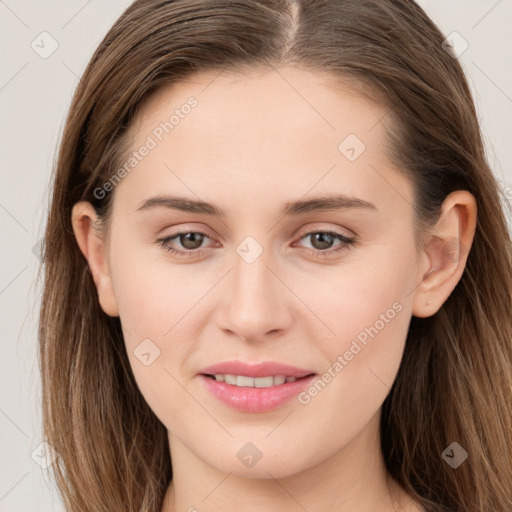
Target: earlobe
[
  {"x": 445, "y": 253},
  {"x": 92, "y": 245}
]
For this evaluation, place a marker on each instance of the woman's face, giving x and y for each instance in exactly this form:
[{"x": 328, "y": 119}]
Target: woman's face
[{"x": 292, "y": 163}]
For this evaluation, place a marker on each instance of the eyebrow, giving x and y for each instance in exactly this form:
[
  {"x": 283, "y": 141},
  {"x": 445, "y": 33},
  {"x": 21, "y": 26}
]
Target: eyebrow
[{"x": 291, "y": 208}]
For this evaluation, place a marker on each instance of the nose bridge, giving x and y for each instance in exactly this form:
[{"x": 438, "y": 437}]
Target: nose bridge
[
  {"x": 257, "y": 301},
  {"x": 251, "y": 279}
]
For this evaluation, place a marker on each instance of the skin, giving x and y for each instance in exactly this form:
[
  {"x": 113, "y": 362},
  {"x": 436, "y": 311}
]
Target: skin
[{"x": 253, "y": 143}]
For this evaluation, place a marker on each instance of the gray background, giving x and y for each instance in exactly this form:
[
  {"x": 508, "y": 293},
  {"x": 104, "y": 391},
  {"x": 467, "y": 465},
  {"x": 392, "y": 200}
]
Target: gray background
[{"x": 35, "y": 94}]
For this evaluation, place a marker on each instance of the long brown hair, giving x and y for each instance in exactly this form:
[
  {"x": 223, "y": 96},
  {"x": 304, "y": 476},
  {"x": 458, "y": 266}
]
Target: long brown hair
[{"x": 455, "y": 380}]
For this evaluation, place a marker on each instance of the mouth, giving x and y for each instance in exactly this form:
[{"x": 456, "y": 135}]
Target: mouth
[{"x": 255, "y": 388}]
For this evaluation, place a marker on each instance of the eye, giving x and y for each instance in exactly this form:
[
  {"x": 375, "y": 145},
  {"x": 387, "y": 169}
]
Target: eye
[
  {"x": 322, "y": 241},
  {"x": 190, "y": 240}
]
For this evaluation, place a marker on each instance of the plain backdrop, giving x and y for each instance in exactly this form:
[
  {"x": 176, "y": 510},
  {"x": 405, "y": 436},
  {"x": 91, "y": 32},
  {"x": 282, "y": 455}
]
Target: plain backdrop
[{"x": 35, "y": 93}]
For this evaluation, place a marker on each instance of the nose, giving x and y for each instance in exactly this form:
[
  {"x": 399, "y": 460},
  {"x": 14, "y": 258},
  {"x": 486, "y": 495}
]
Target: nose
[{"x": 257, "y": 305}]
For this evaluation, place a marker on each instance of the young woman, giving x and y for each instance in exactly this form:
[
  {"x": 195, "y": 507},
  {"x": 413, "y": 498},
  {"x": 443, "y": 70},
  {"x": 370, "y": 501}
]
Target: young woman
[{"x": 277, "y": 268}]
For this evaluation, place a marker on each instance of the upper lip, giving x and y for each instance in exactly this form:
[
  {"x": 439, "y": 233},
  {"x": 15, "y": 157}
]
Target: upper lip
[{"x": 263, "y": 369}]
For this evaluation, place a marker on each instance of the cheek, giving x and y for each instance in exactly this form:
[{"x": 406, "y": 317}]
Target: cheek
[
  {"x": 157, "y": 306},
  {"x": 152, "y": 315},
  {"x": 366, "y": 297},
  {"x": 153, "y": 294},
  {"x": 368, "y": 309}
]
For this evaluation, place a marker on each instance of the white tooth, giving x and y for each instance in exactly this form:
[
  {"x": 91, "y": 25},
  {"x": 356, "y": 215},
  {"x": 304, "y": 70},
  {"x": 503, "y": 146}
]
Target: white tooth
[
  {"x": 254, "y": 382},
  {"x": 230, "y": 379},
  {"x": 242, "y": 380},
  {"x": 263, "y": 382}
]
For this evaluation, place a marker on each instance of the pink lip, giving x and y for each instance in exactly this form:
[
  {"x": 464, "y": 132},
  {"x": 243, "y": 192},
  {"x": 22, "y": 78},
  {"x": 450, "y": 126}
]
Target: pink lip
[
  {"x": 264, "y": 369},
  {"x": 248, "y": 399}
]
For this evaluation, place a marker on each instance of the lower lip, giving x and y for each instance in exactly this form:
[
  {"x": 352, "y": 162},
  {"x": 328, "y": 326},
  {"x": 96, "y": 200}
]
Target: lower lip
[{"x": 248, "y": 399}]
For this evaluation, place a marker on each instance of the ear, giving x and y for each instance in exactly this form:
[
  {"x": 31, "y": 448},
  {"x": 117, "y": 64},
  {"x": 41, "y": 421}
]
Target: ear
[
  {"x": 92, "y": 244},
  {"x": 445, "y": 253}
]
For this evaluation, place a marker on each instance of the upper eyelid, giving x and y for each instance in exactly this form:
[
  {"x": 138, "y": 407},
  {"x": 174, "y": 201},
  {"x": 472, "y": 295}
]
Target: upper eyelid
[
  {"x": 340, "y": 231},
  {"x": 317, "y": 227}
]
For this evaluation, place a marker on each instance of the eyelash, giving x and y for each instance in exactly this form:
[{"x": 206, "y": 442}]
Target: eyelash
[{"x": 346, "y": 243}]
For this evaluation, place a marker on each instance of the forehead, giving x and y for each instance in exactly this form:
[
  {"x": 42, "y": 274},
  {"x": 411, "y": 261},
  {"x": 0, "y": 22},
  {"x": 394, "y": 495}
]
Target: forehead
[
  {"x": 266, "y": 132},
  {"x": 264, "y": 99}
]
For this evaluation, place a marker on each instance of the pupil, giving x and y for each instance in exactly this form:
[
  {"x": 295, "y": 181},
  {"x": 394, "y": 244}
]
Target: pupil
[
  {"x": 190, "y": 242},
  {"x": 321, "y": 237}
]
